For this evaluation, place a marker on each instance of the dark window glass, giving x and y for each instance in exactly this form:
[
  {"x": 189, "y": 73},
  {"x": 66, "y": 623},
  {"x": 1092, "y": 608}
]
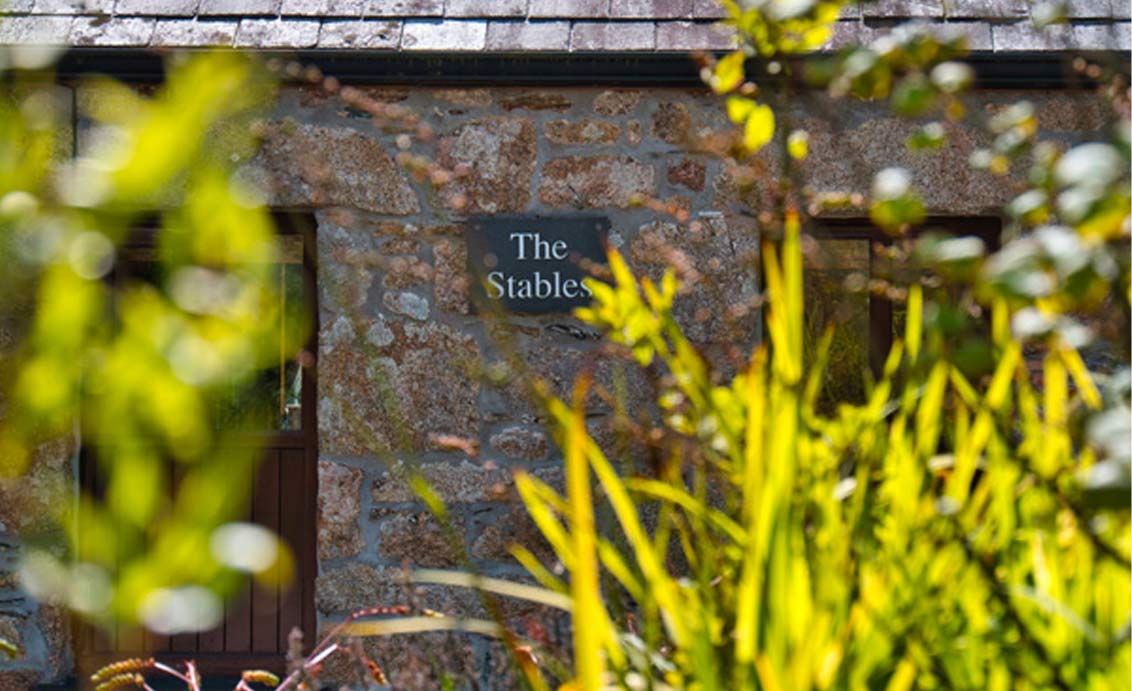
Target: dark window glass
[
  {"x": 272, "y": 400},
  {"x": 849, "y": 267},
  {"x": 835, "y": 270}
]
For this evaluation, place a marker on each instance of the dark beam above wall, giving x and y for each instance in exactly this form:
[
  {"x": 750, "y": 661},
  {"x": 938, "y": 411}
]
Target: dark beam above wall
[{"x": 995, "y": 71}]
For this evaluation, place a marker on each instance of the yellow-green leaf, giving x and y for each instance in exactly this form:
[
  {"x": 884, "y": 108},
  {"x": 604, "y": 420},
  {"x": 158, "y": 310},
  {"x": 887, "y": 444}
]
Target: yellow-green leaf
[
  {"x": 728, "y": 73},
  {"x": 739, "y": 108},
  {"x": 798, "y": 144},
  {"x": 759, "y": 128}
]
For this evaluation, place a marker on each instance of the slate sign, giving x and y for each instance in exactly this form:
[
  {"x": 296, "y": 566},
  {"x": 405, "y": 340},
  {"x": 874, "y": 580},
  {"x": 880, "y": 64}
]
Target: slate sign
[{"x": 533, "y": 264}]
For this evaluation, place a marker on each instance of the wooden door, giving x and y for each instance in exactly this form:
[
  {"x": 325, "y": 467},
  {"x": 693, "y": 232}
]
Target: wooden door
[{"x": 258, "y": 620}]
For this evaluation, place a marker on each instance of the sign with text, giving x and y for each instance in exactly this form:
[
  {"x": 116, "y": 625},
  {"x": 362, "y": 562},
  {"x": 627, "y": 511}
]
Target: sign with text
[{"x": 533, "y": 264}]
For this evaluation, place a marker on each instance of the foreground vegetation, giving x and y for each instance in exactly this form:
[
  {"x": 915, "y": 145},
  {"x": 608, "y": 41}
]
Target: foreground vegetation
[{"x": 965, "y": 525}]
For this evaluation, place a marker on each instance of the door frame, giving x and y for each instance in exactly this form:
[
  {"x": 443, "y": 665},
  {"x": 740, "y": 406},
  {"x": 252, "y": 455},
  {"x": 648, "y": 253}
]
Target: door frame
[{"x": 228, "y": 664}]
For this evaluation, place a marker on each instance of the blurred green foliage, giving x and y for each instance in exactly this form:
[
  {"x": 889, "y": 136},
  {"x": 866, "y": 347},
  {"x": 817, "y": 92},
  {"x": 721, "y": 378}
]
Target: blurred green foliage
[
  {"x": 141, "y": 361},
  {"x": 955, "y": 526},
  {"x": 938, "y": 535},
  {"x": 965, "y": 522}
]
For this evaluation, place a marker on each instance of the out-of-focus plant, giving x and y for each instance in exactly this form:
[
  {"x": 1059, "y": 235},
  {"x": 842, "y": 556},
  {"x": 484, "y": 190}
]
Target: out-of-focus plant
[
  {"x": 1062, "y": 265},
  {"x": 967, "y": 525},
  {"x": 303, "y": 669},
  {"x": 773, "y": 29},
  {"x": 137, "y": 368},
  {"x": 936, "y": 536},
  {"x": 344, "y": 641}
]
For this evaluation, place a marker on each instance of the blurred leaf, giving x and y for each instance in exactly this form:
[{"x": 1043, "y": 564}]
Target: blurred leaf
[
  {"x": 930, "y": 136},
  {"x": 739, "y": 108},
  {"x": 798, "y": 144},
  {"x": 913, "y": 96},
  {"x": 1108, "y": 485},
  {"x": 952, "y": 77},
  {"x": 728, "y": 73},
  {"x": 759, "y": 128}
]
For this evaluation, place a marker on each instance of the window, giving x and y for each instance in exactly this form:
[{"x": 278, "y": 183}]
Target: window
[
  {"x": 273, "y": 401},
  {"x": 848, "y": 264}
]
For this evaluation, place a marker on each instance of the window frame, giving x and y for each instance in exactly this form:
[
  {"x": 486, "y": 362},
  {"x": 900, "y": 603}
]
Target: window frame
[{"x": 881, "y": 337}]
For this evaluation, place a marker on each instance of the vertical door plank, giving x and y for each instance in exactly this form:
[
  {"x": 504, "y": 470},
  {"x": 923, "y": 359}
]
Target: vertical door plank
[
  {"x": 130, "y": 640},
  {"x": 183, "y": 643},
  {"x": 94, "y": 638},
  {"x": 238, "y": 611},
  {"x": 265, "y": 512},
  {"x": 154, "y": 642},
  {"x": 212, "y": 641},
  {"x": 292, "y": 526},
  {"x": 238, "y": 620},
  {"x": 101, "y": 640}
]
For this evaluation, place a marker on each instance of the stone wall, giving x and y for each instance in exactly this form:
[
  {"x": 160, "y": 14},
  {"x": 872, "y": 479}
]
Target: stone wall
[
  {"x": 411, "y": 377},
  {"x": 406, "y": 367}
]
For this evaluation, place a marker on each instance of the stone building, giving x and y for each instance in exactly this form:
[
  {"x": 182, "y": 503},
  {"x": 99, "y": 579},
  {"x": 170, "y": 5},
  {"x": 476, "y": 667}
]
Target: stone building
[{"x": 556, "y": 108}]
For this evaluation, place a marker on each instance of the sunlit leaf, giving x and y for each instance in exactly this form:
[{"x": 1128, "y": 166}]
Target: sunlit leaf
[
  {"x": 759, "y": 128},
  {"x": 728, "y": 73}
]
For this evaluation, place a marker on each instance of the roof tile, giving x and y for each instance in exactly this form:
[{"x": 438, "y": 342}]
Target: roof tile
[
  {"x": 401, "y": 8},
  {"x": 539, "y": 25},
  {"x": 570, "y": 9},
  {"x": 1024, "y": 36},
  {"x": 989, "y": 9},
  {"x": 369, "y": 34},
  {"x": 1093, "y": 9},
  {"x": 605, "y": 36},
  {"x": 486, "y": 8},
  {"x": 850, "y": 32},
  {"x": 902, "y": 9},
  {"x": 67, "y": 6},
  {"x": 708, "y": 9},
  {"x": 444, "y": 35},
  {"x": 239, "y": 8},
  {"x": 650, "y": 9},
  {"x": 978, "y": 34},
  {"x": 685, "y": 36},
  {"x": 35, "y": 30},
  {"x": 312, "y": 8},
  {"x": 1101, "y": 36},
  {"x": 118, "y": 31},
  {"x": 276, "y": 33},
  {"x": 194, "y": 33},
  {"x": 1123, "y": 35},
  {"x": 335, "y": 8},
  {"x": 16, "y": 7},
  {"x": 551, "y": 35},
  {"x": 157, "y": 8}
]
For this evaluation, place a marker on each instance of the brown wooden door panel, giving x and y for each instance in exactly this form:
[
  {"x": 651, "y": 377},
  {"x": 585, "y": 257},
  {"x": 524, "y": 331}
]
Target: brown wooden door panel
[
  {"x": 265, "y": 598},
  {"x": 258, "y": 619},
  {"x": 292, "y": 509}
]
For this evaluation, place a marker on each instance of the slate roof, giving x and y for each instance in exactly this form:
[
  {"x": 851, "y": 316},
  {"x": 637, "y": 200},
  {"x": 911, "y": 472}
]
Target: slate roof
[{"x": 505, "y": 26}]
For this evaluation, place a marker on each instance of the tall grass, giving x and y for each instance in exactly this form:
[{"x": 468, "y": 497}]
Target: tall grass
[{"x": 934, "y": 536}]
